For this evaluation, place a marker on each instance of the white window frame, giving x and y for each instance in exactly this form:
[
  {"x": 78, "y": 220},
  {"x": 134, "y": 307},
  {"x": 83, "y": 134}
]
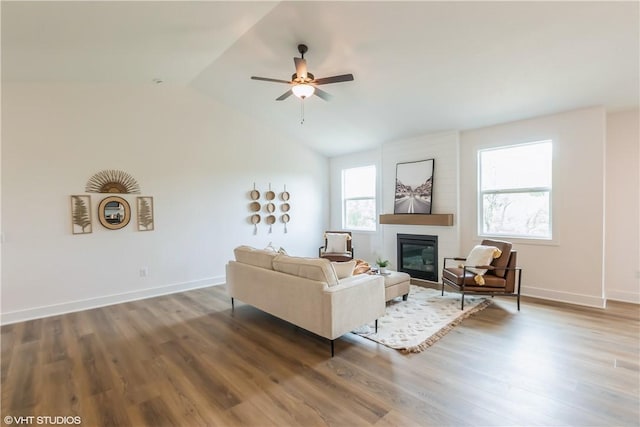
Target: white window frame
[
  {"x": 514, "y": 190},
  {"x": 345, "y": 199}
]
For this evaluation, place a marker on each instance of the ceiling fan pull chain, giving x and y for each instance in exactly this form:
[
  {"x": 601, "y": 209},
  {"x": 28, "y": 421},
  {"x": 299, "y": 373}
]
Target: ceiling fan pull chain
[{"x": 302, "y": 112}]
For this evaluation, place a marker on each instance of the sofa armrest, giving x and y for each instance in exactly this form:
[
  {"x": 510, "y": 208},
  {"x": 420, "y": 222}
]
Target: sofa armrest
[
  {"x": 292, "y": 298},
  {"x": 355, "y": 301}
]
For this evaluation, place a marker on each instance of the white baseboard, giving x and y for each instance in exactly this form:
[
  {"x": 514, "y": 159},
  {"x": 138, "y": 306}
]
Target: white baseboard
[
  {"x": 568, "y": 297},
  {"x": 541, "y": 293},
  {"x": 623, "y": 296},
  {"x": 69, "y": 307}
]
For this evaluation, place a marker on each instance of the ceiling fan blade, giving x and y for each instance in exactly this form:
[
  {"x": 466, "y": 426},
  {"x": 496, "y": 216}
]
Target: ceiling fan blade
[
  {"x": 284, "y": 95},
  {"x": 266, "y": 79},
  {"x": 301, "y": 67},
  {"x": 334, "y": 79},
  {"x": 322, "y": 94}
]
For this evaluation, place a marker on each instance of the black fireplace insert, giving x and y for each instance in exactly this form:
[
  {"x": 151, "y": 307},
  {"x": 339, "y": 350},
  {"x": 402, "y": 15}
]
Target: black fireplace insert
[{"x": 418, "y": 256}]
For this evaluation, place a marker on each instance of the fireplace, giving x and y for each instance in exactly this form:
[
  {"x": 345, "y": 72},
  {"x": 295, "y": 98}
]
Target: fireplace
[{"x": 418, "y": 256}]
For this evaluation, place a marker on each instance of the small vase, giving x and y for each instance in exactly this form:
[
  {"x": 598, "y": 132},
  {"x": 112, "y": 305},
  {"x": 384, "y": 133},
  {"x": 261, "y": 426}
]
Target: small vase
[{"x": 383, "y": 270}]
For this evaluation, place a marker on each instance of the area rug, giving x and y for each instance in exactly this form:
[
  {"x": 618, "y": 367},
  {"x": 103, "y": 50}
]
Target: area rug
[{"x": 414, "y": 325}]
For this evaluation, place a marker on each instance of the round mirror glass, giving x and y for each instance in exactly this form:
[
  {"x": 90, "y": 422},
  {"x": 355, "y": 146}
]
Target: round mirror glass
[{"x": 114, "y": 212}]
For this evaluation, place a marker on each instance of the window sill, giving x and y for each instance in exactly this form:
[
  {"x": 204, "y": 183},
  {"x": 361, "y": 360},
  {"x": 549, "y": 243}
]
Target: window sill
[{"x": 520, "y": 240}]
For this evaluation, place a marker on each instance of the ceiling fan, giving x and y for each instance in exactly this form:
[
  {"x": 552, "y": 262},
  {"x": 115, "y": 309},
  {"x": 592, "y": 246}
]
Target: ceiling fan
[{"x": 304, "y": 84}]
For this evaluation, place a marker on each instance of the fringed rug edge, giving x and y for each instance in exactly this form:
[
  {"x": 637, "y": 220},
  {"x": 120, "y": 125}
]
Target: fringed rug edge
[{"x": 445, "y": 329}]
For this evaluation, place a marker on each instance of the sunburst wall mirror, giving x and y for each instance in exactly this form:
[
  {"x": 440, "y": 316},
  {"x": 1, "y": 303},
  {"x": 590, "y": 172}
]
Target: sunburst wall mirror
[{"x": 112, "y": 181}]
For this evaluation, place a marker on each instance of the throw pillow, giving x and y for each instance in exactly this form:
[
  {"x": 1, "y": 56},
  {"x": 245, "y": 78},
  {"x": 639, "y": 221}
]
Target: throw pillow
[
  {"x": 344, "y": 269},
  {"x": 362, "y": 267},
  {"x": 481, "y": 255},
  {"x": 272, "y": 248},
  {"x": 256, "y": 257},
  {"x": 336, "y": 243}
]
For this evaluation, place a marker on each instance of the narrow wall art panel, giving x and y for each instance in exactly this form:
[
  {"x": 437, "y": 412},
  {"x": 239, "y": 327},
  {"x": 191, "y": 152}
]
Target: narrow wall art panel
[
  {"x": 144, "y": 208},
  {"x": 81, "y": 215}
]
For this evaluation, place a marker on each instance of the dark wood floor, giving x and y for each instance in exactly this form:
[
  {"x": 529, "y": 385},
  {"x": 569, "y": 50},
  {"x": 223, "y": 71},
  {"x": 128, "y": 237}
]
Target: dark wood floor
[{"x": 187, "y": 360}]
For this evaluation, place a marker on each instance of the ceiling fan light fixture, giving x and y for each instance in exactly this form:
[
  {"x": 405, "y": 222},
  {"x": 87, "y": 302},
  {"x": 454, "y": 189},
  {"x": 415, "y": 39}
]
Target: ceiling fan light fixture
[{"x": 303, "y": 91}]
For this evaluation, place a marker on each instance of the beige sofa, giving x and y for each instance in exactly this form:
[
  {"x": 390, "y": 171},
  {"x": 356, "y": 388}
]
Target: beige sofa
[{"x": 305, "y": 291}]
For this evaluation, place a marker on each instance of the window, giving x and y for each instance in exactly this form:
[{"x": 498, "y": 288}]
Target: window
[
  {"x": 515, "y": 191},
  {"x": 359, "y": 198}
]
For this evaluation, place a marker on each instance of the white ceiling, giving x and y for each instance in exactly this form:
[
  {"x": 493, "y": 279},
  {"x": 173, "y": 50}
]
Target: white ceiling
[{"x": 419, "y": 67}]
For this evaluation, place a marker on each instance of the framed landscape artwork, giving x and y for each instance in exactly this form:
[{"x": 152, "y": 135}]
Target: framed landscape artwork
[{"x": 414, "y": 187}]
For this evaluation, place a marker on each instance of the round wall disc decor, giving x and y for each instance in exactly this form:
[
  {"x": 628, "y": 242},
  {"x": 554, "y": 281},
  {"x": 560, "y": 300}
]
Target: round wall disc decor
[
  {"x": 285, "y": 194},
  {"x": 254, "y": 194},
  {"x": 255, "y": 219},
  {"x": 285, "y": 219},
  {"x": 271, "y": 219}
]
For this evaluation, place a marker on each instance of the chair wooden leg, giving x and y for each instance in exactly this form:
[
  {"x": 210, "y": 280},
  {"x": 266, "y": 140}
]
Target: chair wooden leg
[
  {"x": 404, "y": 297},
  {"x": 442, "y": 293},
  {"x": 462, "y": 301},
  {"x": 376, "y": 326},
  {"x": 332, "y": 348},
  {"x": 232, "y": 305}
]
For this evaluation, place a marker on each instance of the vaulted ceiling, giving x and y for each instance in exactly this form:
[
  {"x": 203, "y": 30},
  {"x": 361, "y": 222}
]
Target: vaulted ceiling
[{"x": 419, "y": 67}]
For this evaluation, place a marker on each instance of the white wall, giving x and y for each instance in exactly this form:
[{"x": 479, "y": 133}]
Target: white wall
[
  {"x": 366, "y": 244},
  {"x": 197, "y": 159},
  {"x": 578, "y": 266},
  {"x": 571, "y": 268},
  {"x": 622, "y": 225},
  {"x": 442, "y": 147}
]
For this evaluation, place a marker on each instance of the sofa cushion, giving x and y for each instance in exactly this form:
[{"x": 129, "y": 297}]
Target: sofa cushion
[
  {"x": 344, "y": 269},
  {"x": 454, "y": 275},
  {"x": 257, "y": 257},
  {"x": 317, "y": 269},
  {"x": 336, "y": 254},
  {"x": 396, "y": 277}
]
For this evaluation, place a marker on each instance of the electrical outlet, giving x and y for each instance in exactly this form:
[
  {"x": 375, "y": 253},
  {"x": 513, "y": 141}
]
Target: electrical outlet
[{"x": 144, "y": 272}]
